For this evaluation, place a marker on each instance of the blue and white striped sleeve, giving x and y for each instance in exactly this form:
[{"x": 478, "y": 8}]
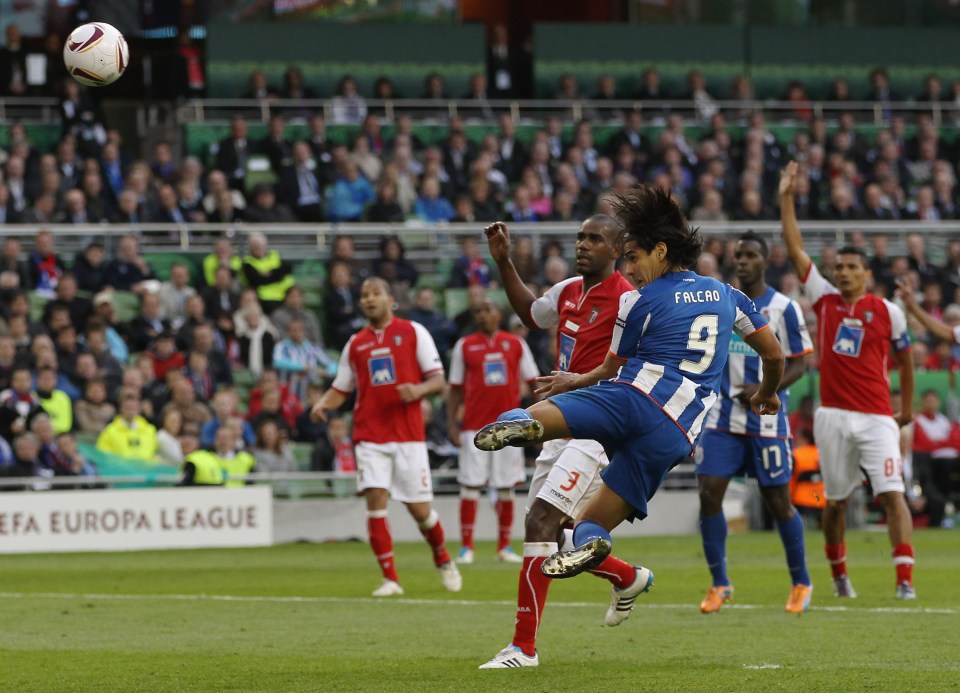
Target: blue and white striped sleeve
[
  {"x": 630, "y": 325},
  {"x": 798, "y": 341},
  {"x": 748, "y": 319}
]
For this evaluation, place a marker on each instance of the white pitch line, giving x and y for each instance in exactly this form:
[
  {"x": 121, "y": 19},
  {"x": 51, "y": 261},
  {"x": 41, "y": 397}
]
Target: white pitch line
[{"x": 440, "y": 602}]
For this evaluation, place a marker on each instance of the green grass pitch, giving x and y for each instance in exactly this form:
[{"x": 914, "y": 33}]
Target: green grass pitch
[{"x": 300, "y": 618}]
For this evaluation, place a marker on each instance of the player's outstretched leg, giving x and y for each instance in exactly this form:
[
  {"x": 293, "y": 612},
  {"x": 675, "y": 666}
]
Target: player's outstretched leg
[
  {"x": 592, "y": 545},
  {"x": 514, "y": 427},
  {"x": 627, "y": 582}
]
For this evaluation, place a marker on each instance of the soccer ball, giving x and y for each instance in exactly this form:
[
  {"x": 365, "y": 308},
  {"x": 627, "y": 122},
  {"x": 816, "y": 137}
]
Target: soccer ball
[{"x": 96, "y": 54}]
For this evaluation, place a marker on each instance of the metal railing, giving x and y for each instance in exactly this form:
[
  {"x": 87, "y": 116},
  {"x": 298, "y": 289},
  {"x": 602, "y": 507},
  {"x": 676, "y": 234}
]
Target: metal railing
[
  {"x": 537, "y": 110},
  {"x": 430, "y": 243}
]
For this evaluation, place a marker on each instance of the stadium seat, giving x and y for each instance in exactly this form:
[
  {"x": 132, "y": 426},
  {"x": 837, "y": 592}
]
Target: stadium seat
[
  {"x": 454, "y": 302},
  {"x": 126, "y": 304},
  {"x": 310, "y": 273},
  {"x": 37, "y": 303},
  {"x": 162, "y": 262}
]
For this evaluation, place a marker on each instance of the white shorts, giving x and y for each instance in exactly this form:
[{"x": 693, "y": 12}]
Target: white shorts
[
  {"x": 500, "y": 469},
  {"x": 567, "y": 474},
  {"x": 851, "y": 444},
  {"x": 403, "y": 469}
]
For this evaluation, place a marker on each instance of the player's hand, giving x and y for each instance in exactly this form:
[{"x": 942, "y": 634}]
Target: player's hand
[
  {"x": 788, "y": 179},
  {"x": 764, "y": 405},
  {"x": 318, "y": 413},
  {"x": 905, "y": 293},
  {"x": 747, "y": 391},
  {"x": 409, "y": 392},
  {"x": 498, "y": 240},
  {"x": 555, "y": 383},
  {"x": 903, "y": 417}
]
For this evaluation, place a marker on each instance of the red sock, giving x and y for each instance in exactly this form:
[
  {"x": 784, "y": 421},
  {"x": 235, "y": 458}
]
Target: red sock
[
  {"x": 531, "y": 595},
  {"x": 903, "y": 562},
  {"x": 468, "y": 517},
  {"x": 620, "y": 573},
  {"x": 504, "y": 523},
  {"x": 837, "y": 556},
  {"x": 382, "y": 544},
  {"x": 432, "y": 531}
]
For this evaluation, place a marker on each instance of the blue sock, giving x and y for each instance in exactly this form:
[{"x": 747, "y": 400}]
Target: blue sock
[
  {"x": 714, "y": 533},
  {"x": 587, "y": 531},
  {"x": 791, "y": 534},
  {"x": 514, "y": 415}
]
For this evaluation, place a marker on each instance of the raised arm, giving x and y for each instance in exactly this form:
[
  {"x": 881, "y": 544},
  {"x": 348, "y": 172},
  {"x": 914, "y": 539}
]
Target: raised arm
[
  {"x": 788, "y": 220},
  {"x": 764, "y": 342},
  {"x": 520, "y": 297}
]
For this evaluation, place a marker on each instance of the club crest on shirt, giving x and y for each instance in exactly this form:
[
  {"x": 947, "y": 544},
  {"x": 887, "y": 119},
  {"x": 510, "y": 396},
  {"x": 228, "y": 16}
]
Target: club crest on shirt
[
  {"x": 593, "y": 316},
  {"x": 397, "y": 339},
  {"x": 505, "y": 345},
  {"x": 868, "y": 315}
]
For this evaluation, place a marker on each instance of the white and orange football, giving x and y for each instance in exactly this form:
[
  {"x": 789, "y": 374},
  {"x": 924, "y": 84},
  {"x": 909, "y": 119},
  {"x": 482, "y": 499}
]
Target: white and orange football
[{"x": 96, "y": 54}]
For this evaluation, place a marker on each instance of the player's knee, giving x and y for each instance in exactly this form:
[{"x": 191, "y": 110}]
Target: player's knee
[
  {"x": 711, "y": 502},
  {"x": 505, "y": 494},
  {"x": 541, "y": 524}
]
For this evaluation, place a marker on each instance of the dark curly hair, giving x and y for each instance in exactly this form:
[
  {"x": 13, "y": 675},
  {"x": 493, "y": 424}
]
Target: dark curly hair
[{"x": 650, "y": 216}]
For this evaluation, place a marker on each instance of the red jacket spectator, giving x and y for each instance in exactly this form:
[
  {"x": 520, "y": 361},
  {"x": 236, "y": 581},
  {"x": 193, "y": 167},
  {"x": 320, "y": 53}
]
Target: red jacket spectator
[{"x": 290, "y": 405}]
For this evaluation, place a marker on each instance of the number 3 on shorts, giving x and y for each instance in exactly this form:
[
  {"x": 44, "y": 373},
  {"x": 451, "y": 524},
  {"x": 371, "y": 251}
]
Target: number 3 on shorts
[
  {"x": 697, "y": 341},
  {"x": 571, "y": 482}
]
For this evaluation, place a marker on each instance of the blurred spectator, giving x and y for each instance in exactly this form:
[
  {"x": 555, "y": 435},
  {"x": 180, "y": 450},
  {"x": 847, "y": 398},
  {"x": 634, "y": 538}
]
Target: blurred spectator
[
  {"x": 223, "y": 255},
  {"x": 174, "y": 294},
  {"x": 271, "y": 451},
  {"x": 294, "y": 87},
  {"x": 470, "y": 269},
  {"x": 342, "y": 308},
  {"x": 129, "y": 434},
  {"x": 300, "y": 187},
  {"x": 225, "y": 404},
  {"x": 233, "y": 153},
  {"x": 79, "y": 307},
  {"x": 55, "y": 403},
  {"x": 430, "y": 206},
  {"x": 276, "y": 146},
  {"x": 385, "y": 208},
  {"x": 424, "y": 311},
  {"x": 259, "y": 88},
  {"x": 293, "y": 309},
  {"x": 334, "y": 451},
  {"x": 273, "y": 398},
  {"x": 264, "y": 208},
  {"x": 257, "y": 338},
  {"x": 266, "y": 272},
  {"x": 93, "y": 412},
  {"x": 297, "y": 360},
  {"x": 13, "y": 63},
  {"x": 169, "y": 447},
  {"x": 128, "y": 270},
  {"x": 183, "y": 398},
  {"x": 348, "y": 105},
  {"x": 308, "y": 430},
  {"x": 46, "y": 266},
  {"x": 197, "y": 372},
  {"x": 162, "y": 351},
  {"x": 221, "y": 296},
  {"x": 349, "y": 195}
]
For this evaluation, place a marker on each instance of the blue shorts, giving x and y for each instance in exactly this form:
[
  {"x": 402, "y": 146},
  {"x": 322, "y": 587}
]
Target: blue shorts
[
  {"x": 642, "y": 442},
  {"x": 725, "y": 454}
]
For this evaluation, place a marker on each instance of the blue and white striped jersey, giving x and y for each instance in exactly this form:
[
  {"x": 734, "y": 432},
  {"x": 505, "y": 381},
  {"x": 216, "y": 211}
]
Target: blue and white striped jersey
[
  {"x": 675, "y": 333},
  {"x": 744, "y": 368}
]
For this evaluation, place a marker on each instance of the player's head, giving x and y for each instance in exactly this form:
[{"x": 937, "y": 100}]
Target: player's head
[
  {"x": 376, "y": 300},
  {"x": 487, "y": 315},
  {"x": 598, "y": 246},
  {"x": 656, "y": 237},
  {"x": 750, "y": 257},
  {"x": 851, "y": 271}
]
